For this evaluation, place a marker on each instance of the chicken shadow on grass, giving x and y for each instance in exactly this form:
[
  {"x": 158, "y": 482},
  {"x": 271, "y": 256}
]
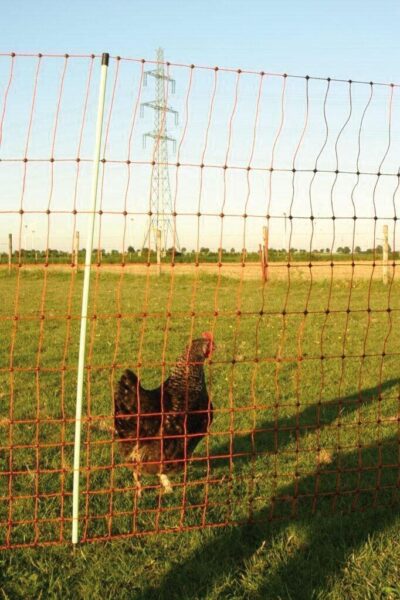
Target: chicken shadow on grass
[{"x": 336, "y": 508}]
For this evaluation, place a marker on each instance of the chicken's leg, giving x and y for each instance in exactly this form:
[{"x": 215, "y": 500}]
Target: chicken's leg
[
  {"x": 136, "y": 477},
  {"x": 166, "y": 484}
]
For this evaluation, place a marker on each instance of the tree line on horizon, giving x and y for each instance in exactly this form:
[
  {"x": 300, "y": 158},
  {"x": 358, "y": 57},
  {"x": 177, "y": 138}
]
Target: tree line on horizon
[{"x": 184, "y": 255}]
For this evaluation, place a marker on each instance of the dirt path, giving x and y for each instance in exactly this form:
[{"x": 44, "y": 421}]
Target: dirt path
[{"x": 277, "y": 271}]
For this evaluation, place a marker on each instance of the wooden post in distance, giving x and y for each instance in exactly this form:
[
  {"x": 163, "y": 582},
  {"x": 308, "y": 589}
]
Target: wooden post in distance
[
  {"x": 9, "y": 252},
  {"x": 385, "y": 257},
  {"x": 265, "y": 253}
]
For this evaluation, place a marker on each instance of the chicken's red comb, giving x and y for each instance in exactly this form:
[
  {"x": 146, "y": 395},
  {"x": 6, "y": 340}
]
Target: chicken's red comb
[{"x": 208, "y": 335}]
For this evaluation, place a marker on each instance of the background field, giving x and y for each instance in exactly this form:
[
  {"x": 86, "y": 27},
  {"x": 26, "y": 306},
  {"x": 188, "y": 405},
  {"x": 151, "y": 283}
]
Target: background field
[{"x": 305, "y": 384}]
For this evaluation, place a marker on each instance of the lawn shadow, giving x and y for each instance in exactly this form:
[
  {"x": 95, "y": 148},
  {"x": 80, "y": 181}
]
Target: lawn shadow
[
  {"x": 335, "y": 509},
  {"x": 334, "y": 527},
  {"x": 274, "y": 435}
]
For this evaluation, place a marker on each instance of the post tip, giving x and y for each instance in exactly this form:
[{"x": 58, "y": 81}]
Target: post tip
[{"x": 105, "y": 58}]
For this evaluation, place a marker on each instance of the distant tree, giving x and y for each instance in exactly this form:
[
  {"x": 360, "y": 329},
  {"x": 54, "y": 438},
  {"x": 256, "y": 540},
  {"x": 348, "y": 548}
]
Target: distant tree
[
  {"x": 346, "y": 250},
  {"x": 357, "y": 250},
  {"x": 131, "y": 249},
  {"x": 233, "y": 251},
  {"x": 327, "y": 250},
  {"x": 184, "y": 250},
  {"x": 204, "y": 250},
  {"x": 339, "y": 250},
  {"x": 173, "y": 251},
  {"x": 379, "y": 249}
]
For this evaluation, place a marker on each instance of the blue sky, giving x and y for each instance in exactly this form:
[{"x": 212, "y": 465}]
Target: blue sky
[{"x": 353, "y": 38}]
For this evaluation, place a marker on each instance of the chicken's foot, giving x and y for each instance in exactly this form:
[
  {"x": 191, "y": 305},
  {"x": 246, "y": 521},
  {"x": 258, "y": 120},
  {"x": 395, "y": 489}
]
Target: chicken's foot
[{"x": 166, "y": 484}]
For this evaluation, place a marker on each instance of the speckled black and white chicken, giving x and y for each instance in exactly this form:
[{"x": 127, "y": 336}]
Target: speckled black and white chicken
[{"x": 159, "y": 429}]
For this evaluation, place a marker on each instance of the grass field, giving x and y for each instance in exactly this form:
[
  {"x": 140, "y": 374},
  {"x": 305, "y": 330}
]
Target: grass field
[{"x": 304, "y": 443}]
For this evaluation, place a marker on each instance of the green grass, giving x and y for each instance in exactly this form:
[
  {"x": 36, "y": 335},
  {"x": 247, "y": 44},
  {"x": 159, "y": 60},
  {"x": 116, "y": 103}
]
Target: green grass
[{"x": 314, "y": 442}]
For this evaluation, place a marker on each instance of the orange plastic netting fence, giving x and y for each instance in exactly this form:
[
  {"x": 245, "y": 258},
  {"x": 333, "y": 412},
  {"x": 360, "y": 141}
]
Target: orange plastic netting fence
[{"x": 259, "y": 209}]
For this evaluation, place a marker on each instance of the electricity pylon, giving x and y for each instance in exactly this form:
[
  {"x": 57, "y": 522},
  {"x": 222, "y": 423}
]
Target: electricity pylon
[{"x": 161, "y": 226}]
